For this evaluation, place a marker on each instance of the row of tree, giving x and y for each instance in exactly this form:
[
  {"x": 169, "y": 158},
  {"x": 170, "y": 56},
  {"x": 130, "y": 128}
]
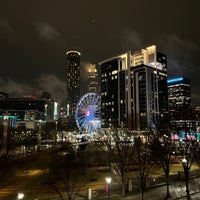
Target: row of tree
[
  {"x": 148, "y": 153},
  {"x": 125, "y": 153}
]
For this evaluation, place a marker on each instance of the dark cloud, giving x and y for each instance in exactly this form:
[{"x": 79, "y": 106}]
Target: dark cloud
[
  {"x": 46, "y": 82},
  {"x": 53, "y": 85},
  {"x": 183, "y": 56},
  {"x": 15, "y": 89},
  {"x": 46, "y": 31},
  {"x": 35, "y": 35},
  {"x": 5, "y": 27},
  {"x": 130, "y": 39}
]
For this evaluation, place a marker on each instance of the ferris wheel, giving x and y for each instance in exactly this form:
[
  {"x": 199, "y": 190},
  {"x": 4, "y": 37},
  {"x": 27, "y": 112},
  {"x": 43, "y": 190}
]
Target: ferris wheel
[{"x": 88, "y": 113}]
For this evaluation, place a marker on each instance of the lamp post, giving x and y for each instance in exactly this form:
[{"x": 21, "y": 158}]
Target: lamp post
[
  {"x": 56, "y": 132},
  {"x": 108, "y": 181},
  {"x": 39, "y": 135},
  {"x": 186, "y": 173},
  {"x": 5, "y": 134}
]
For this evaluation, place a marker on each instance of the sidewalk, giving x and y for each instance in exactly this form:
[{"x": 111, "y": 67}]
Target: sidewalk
[{"x": 154, "y": 193}]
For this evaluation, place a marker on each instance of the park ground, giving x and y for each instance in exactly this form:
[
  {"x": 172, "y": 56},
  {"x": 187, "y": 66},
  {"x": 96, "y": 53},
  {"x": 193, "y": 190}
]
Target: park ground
[{"x": 27, "y": 178}]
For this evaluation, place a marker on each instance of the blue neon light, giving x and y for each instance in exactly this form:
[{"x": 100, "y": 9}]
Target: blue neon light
[
  {"x": 174, "y": 80},
  {"x": 10, "y": 116}
]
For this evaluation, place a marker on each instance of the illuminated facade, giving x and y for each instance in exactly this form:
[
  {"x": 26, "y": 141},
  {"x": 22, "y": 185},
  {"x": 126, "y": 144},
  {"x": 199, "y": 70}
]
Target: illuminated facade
[
  {"x": 134, "y": 90},
  {"x": 30, "y": 108},
  {"x": 179, "y": 97},
  {"x": 114, "y": 93},
  {"x": 72, "y": 82},
  {"x": 92, "y": 79},
  {"x": 184, "y": 119},
  {"x": 149, "y": 92}
]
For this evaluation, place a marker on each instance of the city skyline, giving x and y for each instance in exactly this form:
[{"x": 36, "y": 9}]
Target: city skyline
[{"x": 35, "y": 36}]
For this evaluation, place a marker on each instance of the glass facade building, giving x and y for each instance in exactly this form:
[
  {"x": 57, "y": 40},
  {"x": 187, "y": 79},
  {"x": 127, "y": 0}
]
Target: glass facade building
[
  {"x": 134, "y": 90},
  {"x": 179, "y": 98},
  {"x": 114, "y": 94}
]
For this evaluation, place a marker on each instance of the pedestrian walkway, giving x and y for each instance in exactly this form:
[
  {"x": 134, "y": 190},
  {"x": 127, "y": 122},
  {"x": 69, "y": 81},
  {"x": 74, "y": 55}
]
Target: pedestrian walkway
[
  {"x": 20, "y": 179},
  {"x": 154, "y": 193}
]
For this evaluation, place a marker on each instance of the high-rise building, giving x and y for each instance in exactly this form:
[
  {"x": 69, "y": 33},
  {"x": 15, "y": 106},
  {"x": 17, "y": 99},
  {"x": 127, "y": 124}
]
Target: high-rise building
[
  {"x": 179, "y": 97},
  {"x": 72, "y": 82},
  {"x": 114, "y": 94},
  {"x": 92, "y": 85},
  {"x": 149, "y": 93},
  {"x": 184, "y": 120},
  {"x": 134, "y": 90}
]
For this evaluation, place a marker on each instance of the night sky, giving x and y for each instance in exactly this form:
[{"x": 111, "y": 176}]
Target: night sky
[{"x": 36, "y": 34}]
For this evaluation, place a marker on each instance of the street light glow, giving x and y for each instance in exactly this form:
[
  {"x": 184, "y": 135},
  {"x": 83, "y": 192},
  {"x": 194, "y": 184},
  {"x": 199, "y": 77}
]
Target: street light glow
[
  {"x": 184, "y": 160},
  {"x": 108, "y": 180},
  {"x": 20, "y": 195}
]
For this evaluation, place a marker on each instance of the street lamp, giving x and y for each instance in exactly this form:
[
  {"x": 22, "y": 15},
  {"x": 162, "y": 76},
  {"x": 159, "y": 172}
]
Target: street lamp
[
  {"x": 108, "y": 181},
  {"x": 39, "y": 135},
  {"x": 20, "y": 195},
  {"x": 5, "y": 134},
  {"x": 184, "y": 162},
  {"x": 186, "y": 172}
]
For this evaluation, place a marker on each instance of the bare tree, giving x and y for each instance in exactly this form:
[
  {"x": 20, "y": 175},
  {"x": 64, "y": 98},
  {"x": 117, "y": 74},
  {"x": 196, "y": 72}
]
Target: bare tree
[
  {"x": 143, "y": 158},
  {"x": 120, "y": 149},
  {"x": 65, "y": 174},
  {"x": 163, "y": 150},
  {"x": 188, "y": 151}
]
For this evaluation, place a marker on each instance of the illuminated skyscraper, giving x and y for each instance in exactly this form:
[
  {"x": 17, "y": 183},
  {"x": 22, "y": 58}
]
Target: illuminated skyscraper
[
  {"x": 149, "y": 94},
  {"x": 114, "y": 93},
  {"x": 72, "y": 82},
  {"x": 184, "y": 121},
  {"x": 179, "y": 90},
  {"x": 92, "y": 79},
  {"x": 134, "y": 90}
]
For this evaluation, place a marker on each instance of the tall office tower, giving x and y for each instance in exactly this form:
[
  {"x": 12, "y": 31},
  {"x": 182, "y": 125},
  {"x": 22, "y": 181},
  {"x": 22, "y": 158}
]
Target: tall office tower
[
  {"x": 72, "y": 82},
  {"x": 92, "y": 79},
  {"x": 179, "y": 97},
  {"x": 114, "y": 93},
  {"x": 134, "y": 90},
  {"x": 149, "y": 92}
]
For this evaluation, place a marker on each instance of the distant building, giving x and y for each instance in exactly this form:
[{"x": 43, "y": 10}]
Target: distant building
[
  {"x": 196, "y": 116},
  {"x": 3, "y": 95},
  {"x": 134, "y": 90},
  {"x": 92, "y": 85},
  {"x": 72, "y": 82},
  {"x": 179, "y": 98},
  {"x": 196, "y": 112},
  {"x": 27, "y": 109}
]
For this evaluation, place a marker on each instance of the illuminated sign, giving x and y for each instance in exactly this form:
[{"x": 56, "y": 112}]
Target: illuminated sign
[{"x": 174, "y": 80}]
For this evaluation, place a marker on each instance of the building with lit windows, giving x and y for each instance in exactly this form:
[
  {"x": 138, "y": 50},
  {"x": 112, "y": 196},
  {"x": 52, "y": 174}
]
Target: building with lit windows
[
  {"x": 114, "y": 94},
  {"x": 179, "y": 98},
  {"x": 134, "y": 90},
  {"x": 29, "y": 109},
  {"x": 92, "y": 85},
  {"x": 72, "y": 82},
  {"x": 149, "y": 92}
]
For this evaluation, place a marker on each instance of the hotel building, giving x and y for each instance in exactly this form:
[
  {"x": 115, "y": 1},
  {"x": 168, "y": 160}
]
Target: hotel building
[{"x": 72, "y": 82}]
